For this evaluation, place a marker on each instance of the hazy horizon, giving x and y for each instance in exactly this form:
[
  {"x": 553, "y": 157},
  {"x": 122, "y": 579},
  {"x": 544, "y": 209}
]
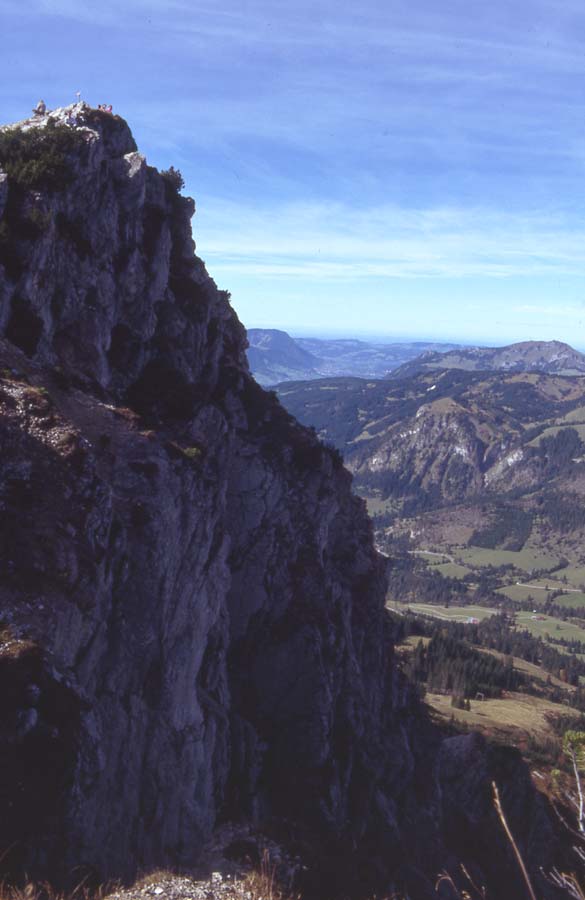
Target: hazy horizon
[{"x": 367, "y": 336}]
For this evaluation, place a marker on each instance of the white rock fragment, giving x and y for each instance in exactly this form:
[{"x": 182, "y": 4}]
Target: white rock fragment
[{"x": 135, "y": 162}]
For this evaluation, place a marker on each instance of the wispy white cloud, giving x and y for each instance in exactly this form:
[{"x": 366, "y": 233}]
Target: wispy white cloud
[
  {"x": 379, "y": 79},
  {"x": 106, "y": 12},
  {"x": 556, "y": 311},
  {"x": 333, "y": 241},
  {"x": 329, "y": 143}
]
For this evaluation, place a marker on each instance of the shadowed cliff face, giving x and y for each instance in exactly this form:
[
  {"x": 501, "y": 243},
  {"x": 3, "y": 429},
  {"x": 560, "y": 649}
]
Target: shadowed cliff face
[{"x": 193, "y": 611}]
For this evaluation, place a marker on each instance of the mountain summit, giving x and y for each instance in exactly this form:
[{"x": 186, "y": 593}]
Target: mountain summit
[
  {"x": 193, "y": 622},
  {"x": 553, "y": 357}
]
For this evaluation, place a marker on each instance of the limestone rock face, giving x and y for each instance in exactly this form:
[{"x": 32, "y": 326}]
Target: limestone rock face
[
  {"x": 185, "y": 561},
  {"x": 103, "y": 280},
  {"x": 192, "y": 610}
]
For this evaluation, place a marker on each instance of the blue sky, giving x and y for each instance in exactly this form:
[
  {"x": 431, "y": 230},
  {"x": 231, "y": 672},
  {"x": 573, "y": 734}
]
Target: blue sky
[{"x": 401, "y": 169}]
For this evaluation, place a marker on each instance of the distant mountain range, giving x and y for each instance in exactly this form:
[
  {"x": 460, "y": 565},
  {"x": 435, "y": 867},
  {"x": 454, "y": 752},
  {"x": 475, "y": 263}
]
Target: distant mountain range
[
  {"x": 553, "y": 357},
  {"x": 464, "y": 441},
  {"x": 274, "y": 356}
]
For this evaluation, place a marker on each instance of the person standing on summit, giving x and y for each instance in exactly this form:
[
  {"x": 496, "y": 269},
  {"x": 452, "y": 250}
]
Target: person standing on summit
[{"x": 40, "y": 109}]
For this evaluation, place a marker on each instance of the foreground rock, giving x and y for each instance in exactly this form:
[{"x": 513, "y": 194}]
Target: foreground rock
[{"x": 193, "y": 610}]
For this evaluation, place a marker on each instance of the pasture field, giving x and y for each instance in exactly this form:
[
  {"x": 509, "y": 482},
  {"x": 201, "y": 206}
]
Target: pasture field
[
  {"x": 540, "y": 627},
  {"x": 576, "y": 416},
  {"x": 450, "y": 614},
  {"x": 524, "y": 592},
  {"x": 554, "y": 430},
  {"x": 410, "y": 643},
  {"x": 549, "y": 625},
  {"x": 540, "y": 594},
  {"x": 432, "y": 558},
  {"x": 548, "y": 583},
  {"x": 452, "y": 570},
  {"x": 526, "y": 560},
  {"x": 573, "y": 600},
  {"x": 532, "y": 670},
  {"x": 575, "y": 575},
  {"x": 512, "y": 717},
  {"x": 376, "y": 506}
]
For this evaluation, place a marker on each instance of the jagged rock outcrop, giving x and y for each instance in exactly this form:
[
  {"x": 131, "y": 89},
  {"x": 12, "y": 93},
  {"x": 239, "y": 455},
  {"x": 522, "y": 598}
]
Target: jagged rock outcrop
[{"x": 193, "y": 611}]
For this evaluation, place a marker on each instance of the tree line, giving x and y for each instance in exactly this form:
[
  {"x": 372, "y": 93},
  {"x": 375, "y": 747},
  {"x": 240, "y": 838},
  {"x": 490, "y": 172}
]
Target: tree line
[
  {"x": 494, "y": 633},
  {"x": 448, "y": 665}
]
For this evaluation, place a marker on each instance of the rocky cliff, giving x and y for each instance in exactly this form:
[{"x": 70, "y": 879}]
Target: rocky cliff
[{"x": 193, "y": 621}]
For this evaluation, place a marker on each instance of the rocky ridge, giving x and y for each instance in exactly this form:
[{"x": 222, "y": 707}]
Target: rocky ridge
[{"x": 193, "y": 610}]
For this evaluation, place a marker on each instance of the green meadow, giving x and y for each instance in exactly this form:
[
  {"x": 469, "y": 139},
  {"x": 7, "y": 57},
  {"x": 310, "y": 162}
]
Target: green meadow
[
  {"x": 522, "y": 592},
  {"x": 539, "y": 627},
  {"x": 526, "y": 560},
  {"x": 452, "y": 570}
]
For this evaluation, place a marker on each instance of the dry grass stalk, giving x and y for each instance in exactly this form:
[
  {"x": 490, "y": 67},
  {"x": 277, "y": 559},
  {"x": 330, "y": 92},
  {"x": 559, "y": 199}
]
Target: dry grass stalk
[
  {"x": 568, "y": 883},
  {"x": 45, "y": 891},
  {"x": 479, "y": 893},
  {"x": 510, "y": 836},
  {"x": 262, "y": 884}
]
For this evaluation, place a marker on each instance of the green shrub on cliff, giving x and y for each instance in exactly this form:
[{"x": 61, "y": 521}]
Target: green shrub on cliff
[
  {"x": 173, "y": 178},
  {"x": 38, "y": 158}
]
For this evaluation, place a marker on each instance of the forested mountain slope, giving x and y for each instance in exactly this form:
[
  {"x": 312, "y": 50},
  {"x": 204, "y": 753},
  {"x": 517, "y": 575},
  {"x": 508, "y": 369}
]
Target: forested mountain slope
[{"x": 457, "y": 437}]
